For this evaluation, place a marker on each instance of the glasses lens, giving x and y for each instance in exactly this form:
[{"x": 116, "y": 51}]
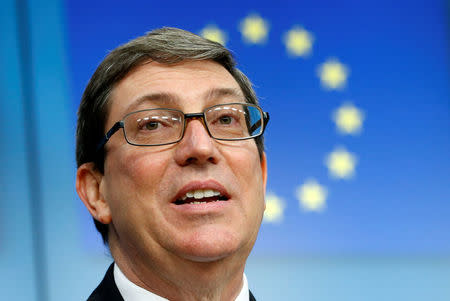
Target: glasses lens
[
  {"x": 234, "y": 121},
  {"x": 153, "y": 127}
]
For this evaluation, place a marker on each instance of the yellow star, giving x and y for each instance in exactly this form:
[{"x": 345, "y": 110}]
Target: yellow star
[
  {"x": 298, "y": 41},
  {"x": 333, "y": 74},
  {"x": 274, "y": 208},
  {"x": 312, "y": 196},
  {"x": 348, "y": 119},
  {"x": 254, "y": 29},
  {"x": 213, "y": 33},
  {"x": 341, "y": 164}
]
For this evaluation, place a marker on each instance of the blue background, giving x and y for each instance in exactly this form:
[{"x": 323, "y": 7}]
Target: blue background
[{"x": 385, "y": 234}]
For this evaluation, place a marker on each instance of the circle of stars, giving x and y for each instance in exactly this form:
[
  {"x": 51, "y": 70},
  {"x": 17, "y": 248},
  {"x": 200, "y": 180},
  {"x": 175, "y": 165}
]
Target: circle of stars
[
  {"x": 274, "y": 208},
  {"x": 333, "y": 75},
  {"x": 312, "y": 196},
  {"x": 254, "y": 29},
  {"x": 298, "y": 42},
  {"x": 348, "y": 119},
  {"x": 341, "y": 164},
  {"x": 213, "y": 33}
]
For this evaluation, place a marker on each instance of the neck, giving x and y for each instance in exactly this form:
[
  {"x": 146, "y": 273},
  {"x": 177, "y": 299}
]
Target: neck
[{"x": 177, "y": 278}]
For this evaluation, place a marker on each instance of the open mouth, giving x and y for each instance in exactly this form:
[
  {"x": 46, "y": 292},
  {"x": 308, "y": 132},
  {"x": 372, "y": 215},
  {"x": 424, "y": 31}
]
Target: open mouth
[{"x": 201, "y": 196}]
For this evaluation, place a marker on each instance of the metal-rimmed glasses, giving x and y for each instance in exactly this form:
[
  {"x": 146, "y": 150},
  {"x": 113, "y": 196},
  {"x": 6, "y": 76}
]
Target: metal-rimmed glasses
[{"x": 153, "y": 127}]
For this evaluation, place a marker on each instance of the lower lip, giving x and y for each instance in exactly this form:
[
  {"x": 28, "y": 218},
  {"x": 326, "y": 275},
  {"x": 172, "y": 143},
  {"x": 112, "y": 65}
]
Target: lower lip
[{"x": 202, "y": 208}]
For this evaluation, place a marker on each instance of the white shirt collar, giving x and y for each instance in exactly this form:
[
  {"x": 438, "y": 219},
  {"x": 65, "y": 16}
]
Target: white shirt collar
[{"x": 132, "y": 292}]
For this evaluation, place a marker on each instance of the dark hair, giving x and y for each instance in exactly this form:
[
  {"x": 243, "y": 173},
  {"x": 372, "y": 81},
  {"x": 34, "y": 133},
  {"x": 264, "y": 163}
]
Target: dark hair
[{"x": 164, "y": 45}]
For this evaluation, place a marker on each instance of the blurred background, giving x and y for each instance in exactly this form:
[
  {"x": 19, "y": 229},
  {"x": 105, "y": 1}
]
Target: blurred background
[{"x": 358, "y": 203}]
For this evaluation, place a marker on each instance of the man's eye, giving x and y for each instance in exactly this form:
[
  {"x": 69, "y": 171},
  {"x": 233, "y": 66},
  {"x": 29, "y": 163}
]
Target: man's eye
[
  {"x": 152, "y": 125},
  {"x": 225, "y": 119}
]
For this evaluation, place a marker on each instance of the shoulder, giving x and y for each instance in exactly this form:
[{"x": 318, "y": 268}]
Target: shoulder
[{"x": 107, "y": 289}]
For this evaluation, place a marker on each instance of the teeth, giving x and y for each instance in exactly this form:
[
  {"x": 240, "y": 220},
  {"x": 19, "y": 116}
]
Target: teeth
[
  {"x": 208, "y": 193},
  {"x": 200, "y": 194},
  {"x": 197, "y": 202}
]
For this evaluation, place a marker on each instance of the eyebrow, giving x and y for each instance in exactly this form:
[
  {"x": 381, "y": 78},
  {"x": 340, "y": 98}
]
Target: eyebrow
[
  {"x": 164, "y": 98},
  {"x": 215, "y": 93},
  {"x": 158, "y": 98}
]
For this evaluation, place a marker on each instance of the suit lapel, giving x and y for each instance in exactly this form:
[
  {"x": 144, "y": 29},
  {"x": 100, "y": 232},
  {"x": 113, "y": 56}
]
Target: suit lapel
[
  {"x": 107, "y": 289},
  {"x": 251, "y": 297}
]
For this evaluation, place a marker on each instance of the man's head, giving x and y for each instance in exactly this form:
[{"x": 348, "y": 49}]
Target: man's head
[{"x": 133, "y": 192}]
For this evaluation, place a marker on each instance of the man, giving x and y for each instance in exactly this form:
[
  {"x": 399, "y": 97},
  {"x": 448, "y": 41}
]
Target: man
[{"x": 176, "y": 185}]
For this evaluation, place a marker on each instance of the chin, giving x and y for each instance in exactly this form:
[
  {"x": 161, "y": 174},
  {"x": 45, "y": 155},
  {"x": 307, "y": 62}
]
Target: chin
[
  {"x": 205, "y": 248},
  {"x": 205, "y": 257}
]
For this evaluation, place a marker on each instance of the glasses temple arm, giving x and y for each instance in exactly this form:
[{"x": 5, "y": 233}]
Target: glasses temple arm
[{"x": 115, "y": 128}]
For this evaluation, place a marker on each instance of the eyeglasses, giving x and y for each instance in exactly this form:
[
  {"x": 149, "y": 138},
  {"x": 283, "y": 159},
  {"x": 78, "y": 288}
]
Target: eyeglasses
[{"x": 153, "y": 127}]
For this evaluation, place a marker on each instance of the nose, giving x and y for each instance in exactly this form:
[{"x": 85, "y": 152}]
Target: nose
[{"x": 196, "y": 147}]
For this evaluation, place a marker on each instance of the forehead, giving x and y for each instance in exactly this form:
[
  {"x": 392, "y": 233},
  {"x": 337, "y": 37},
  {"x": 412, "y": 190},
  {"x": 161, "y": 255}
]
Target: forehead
[{"x": 190, "y": 85}]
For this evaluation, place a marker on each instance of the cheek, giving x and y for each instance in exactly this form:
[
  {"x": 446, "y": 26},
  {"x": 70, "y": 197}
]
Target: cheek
[
  {"x": 133, "y": 176},
  {"x": 134, "y": 190},
  {"x": 249, "y": 174},
  {"x": 246, "y": 165},
  {"x": 246, "y": 168}
]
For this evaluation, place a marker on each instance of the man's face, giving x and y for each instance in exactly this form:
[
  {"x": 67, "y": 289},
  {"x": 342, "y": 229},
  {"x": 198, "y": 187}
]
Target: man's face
[{"x": 141, "y": 185}]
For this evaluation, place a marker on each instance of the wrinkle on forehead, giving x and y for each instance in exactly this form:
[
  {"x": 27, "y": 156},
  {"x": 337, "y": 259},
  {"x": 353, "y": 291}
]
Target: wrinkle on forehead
[
  {"x": 167, "y": 99},
  {"x": 150, "y": 75}
]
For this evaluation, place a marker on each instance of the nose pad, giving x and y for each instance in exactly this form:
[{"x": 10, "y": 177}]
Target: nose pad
[
  {"x": 197, "y": 145},
  {"x": 196, "y": 129},
  {"x": 195, "y": 118},
  {"x": 199, "y": 118}
]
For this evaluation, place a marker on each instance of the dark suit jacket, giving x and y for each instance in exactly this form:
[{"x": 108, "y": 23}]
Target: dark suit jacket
[{"x": 108, "y": 291}]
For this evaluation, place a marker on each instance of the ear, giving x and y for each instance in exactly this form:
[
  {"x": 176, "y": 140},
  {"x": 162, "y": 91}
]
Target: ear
[
  {"x": 88, "y": 184},
  {"x": 264, "y": 169},
  {"x": 264, "y": 173}
]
